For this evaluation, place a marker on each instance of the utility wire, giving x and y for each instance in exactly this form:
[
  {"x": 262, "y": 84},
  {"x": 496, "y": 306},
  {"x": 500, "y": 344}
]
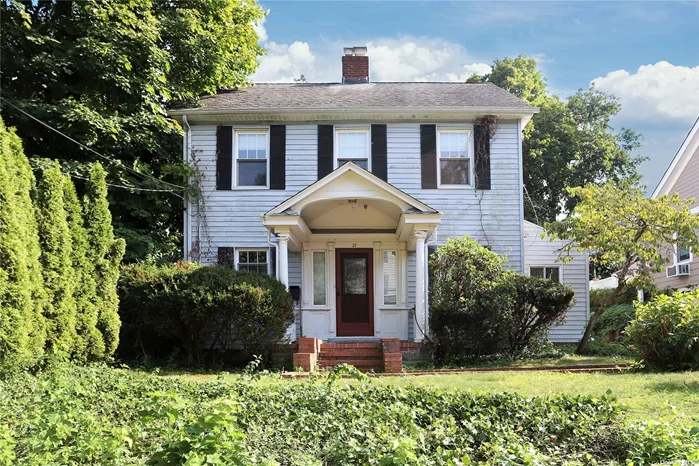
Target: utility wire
[
  {"x": 110, "y": 160},
  {"x": 130, "y": 188}
]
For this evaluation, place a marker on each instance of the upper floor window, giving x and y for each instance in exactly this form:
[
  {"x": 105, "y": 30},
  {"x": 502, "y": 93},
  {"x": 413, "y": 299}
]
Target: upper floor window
[
  {"x": 252, "y": 158},
  {"x": 454, "y": 157},
  {"x": 352, "y": 145},
  {"x": 551, "y": 272},
  {"x": 682, "y": 254}
]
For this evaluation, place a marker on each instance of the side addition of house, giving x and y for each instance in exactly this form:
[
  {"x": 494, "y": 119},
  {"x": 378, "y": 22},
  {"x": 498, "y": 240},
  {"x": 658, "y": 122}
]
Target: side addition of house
[
  {"x": 682, "y": 177},
  {"x": 341, "y": 190}
]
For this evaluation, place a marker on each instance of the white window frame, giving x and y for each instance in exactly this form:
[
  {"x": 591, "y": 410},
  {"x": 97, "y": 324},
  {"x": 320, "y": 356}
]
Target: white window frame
[
  {"x": 383, "y": 286},
  {"x": 236, "y": 252},
  {"x": 313, "y": 276},
  {"x": 547, "y": 266},
  {"x": 351, "y": 129},
  {"x": 237, "y": 132},
  {"x": 677, "y": 256},
  {"x": 470, "y": 158}
]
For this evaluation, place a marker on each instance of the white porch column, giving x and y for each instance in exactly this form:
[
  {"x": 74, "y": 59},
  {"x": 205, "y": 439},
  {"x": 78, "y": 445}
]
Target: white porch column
[
  {"x": 283, "y": 239},
  {"x": 420, "y": 301}
]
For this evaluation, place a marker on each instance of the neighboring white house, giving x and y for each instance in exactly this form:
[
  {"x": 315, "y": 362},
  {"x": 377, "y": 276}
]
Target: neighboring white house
[
  {"x": 541, "y": 259},
  {"x": 340, "y": 189}
]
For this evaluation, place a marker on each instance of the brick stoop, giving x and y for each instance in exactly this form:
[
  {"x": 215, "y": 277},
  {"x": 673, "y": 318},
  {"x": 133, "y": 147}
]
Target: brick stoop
[{"x": 380, "y": 356}]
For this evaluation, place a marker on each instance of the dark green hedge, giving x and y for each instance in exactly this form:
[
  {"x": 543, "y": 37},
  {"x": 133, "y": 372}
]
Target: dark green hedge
[{"x": 191, "y": 308}]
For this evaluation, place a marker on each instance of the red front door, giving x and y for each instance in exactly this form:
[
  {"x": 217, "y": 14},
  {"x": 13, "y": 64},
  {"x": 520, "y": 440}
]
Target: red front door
[{"x": 354, "y": 280}]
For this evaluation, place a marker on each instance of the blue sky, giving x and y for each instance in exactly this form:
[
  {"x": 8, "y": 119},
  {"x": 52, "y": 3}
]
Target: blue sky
[{"x": 646, "y": 53}]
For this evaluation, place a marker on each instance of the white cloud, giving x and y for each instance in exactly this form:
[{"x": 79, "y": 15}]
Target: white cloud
[
  {"x": 397, "y": 59},
  {"x": 261, "y": 30},
  {"x": 662, "y": 90}
]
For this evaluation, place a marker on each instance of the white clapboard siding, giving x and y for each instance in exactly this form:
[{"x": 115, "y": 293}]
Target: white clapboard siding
[
  {"x": 540, "y": 251},
  {"x": 490, "y": 216}
]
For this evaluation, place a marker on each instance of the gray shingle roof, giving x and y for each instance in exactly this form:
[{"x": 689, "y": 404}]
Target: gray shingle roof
[{"x": 371, "y": 95}]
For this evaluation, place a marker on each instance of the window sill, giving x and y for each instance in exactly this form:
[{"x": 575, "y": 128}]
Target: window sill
[
  {"x": 250, "y": 188},
  {"x": 316, "y": 308},
  {"x": 394, "y": 308},
  {"x": 456, "y": 186}
]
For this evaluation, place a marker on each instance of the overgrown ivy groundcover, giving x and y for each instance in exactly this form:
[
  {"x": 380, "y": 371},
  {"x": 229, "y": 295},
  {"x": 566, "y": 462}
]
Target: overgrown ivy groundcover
[{"x": 101, "y": 415}]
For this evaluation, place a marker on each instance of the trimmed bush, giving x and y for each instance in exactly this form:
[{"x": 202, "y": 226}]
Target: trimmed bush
[
  {"x": 666, "y": 331},
  {"x": 613, "y": 322},
  {"x": 192, "y": 307},
  {"x": 466, "y": 314},
  {"x": 535, "y": 304},
  {"x": 479, "y": 309}
]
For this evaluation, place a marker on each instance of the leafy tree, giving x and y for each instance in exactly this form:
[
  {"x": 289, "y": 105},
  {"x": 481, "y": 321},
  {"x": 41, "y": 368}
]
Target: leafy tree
[
  {"x": 568, "y": 143},
  {"x": 56, "y": 265},
  {"x": 625, "y": 228},
  {"x": 105, "y": 253},
  {"x": 89, "y": 344},
  {"x": 104, "y": 73}
]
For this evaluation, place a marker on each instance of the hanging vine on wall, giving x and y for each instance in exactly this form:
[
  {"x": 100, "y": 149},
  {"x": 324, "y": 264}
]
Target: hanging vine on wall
[
  {"x": 196, "y": 196},
  {"x": 487, "y": 127}
]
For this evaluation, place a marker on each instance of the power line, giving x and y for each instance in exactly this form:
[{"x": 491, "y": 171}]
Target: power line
[
  {"x": 131, "y": 188},
  {"x": 147, "y": 177}
]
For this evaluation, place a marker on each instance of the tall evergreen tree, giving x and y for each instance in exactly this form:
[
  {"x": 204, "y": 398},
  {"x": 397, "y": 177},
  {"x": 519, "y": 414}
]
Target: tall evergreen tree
[
  {"x": 105, "y": 253},
  {"x": 89, "y": 345},
  {"x": 21, "y": 293},
  {"x": 57, "y": 269}
]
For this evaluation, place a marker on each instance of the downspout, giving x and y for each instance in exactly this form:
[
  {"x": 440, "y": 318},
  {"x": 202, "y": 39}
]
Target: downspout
[
  {"x": 276, "y": 254},
  {"x": 187, "y": 204}
]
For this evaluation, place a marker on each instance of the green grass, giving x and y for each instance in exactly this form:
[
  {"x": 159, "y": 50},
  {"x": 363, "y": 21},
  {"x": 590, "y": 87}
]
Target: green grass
[
  {"x": 565, "y": 360},
  {"x": 664, "y": 397}
]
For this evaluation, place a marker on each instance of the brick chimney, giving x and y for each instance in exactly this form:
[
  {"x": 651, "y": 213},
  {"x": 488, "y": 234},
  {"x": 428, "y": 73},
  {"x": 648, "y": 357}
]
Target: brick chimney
[{"x": 355, "y": 65}]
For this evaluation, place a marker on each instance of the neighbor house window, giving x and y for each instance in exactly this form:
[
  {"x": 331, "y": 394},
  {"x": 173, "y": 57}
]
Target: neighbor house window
[
  {"x": 251, "y": 158},
  {"x": 253, "y": 260},
  {"x": 390, "y": 278},
  {"x": 454, "y": 157},
  {"x": 551, "y": 272},
  {"x": 319, "y": 293},
  {"x": 682, "y": 254},
  {"x": 352, "y": 145}
]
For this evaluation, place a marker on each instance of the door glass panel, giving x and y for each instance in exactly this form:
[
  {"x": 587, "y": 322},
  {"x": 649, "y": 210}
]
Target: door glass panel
[{"x": 354, "y": 275}]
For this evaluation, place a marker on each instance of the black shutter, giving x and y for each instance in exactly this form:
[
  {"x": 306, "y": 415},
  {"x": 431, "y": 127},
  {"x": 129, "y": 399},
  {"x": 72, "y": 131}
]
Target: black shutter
[
  {"x": 325, "y": 150},
  {"x": 277, "y": 157},
  {"x": 428, "y": 151},
  {"x": 481, "y": 141},
  {"x": 225, "y": 257},
  {"x": 379, "y": 150},
  {"x": 224, "y": 157}
]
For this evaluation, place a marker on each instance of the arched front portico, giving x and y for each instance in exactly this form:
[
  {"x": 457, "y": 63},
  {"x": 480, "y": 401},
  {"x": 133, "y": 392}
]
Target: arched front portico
[{"x": 355, "y": 231}]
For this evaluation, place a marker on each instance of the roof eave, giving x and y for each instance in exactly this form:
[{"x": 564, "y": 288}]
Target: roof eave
[
  {"x": 323, "y": 114},
  {"x": 679, "y": 161}
]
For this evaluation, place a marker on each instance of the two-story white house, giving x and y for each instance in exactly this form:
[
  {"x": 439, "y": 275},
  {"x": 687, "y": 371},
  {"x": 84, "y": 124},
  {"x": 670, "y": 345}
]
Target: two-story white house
[{"x": 341, "y": 190}]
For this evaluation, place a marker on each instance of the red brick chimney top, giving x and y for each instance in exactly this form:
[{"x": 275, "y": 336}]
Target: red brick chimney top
[{"x": 355, "y": 65}]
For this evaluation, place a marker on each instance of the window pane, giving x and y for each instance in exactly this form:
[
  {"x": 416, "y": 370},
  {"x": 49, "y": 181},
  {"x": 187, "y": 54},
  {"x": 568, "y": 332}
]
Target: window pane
[
  {"x": 252, "y": 173},
  {"x": 252, "y": 146},
  {"x": 242, "y": 257},
  {"x": 354, "y": 275},
  {"x": 552, "y": 273},
  {"x": 319, "y": 293},
  {"x": 352, "y": 145},
  {"x": 390, "y": 281},
  {"x": 454, "y": 171},
  {"x": 536, "y": 272},
  {"x": 683, "y": 254},
  {"x": 364, "y": 163},
  {"x": 453, "y": 144}
]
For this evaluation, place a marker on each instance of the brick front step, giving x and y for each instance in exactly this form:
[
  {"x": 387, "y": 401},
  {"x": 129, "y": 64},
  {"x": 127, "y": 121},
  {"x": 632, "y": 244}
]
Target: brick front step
[
  {"x": 369, "y": 345},
  {"x": 350, "y": 353},
  {"x": 363, "y": 364}
]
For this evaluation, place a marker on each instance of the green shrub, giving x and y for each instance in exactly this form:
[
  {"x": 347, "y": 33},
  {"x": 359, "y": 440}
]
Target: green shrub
[
  {"x": 479, "y": 309},
  {"x": 613, "y": 322},
  {"x": 535, "y": 304},
  {"x": 466, "y": 315},
  {"x": 666, "y": 331},
  {"x": 193, "y": 307}
]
